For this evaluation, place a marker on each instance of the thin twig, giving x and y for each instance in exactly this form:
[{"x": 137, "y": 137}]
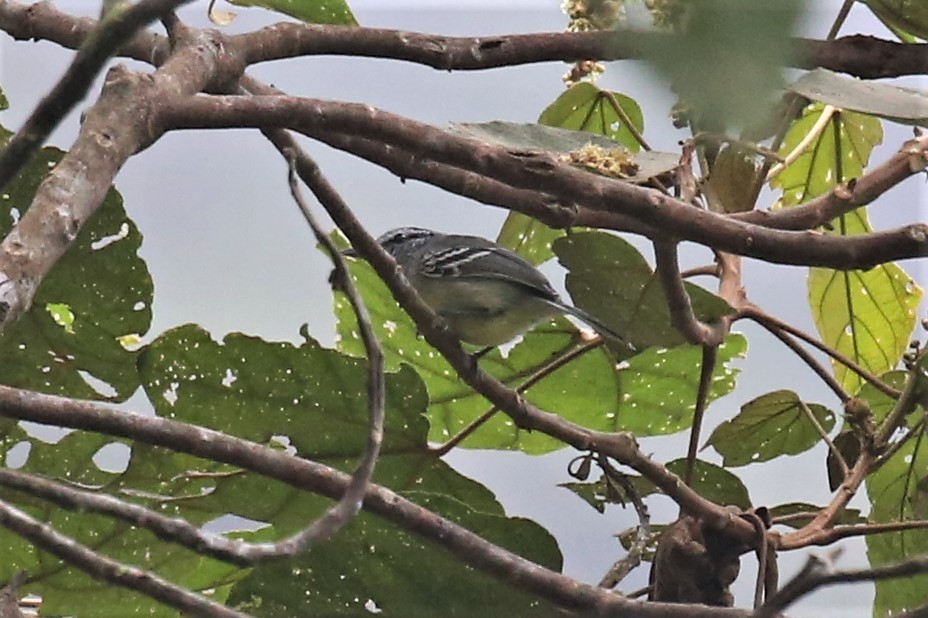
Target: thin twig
[
  {"x": 708, "y": 270},
  {"x": 824, "y": 436},
  {"x": 632, "y": 559},
  {"x": 821, "y": 574},
  {"x": 620, "y": 112},
  {"x": 706, "y": 371},
  {"x": 348, "y": 506},
  {"x": 567, "y": 355},
  {"x": 772, "y": 323},
  {"x": 840, "y": 18}
]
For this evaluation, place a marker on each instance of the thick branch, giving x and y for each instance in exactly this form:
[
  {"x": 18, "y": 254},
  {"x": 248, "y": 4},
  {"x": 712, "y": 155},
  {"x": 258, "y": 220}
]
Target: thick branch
[
  {"x": 862, "y": 56},
  {"x": 311, "y": 476},
  {"x": 114, "y": 129},
  {"x": 542, "y": 171},
  {"x": 100, "y": 567},
  {"x": 96, "y": 49}
]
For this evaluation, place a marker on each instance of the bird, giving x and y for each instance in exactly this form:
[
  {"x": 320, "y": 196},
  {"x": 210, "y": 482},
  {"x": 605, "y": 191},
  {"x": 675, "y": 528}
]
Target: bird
[{"x": 487, "y": 294}]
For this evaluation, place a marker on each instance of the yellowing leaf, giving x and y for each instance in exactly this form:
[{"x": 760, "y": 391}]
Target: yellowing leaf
[
  {"x": 868, "y": 315},
  {"x": 843, "y": 147}
]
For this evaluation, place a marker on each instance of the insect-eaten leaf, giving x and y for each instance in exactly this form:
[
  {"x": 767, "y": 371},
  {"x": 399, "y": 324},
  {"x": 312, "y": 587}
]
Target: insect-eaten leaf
[{"x": 775, "y": 424}]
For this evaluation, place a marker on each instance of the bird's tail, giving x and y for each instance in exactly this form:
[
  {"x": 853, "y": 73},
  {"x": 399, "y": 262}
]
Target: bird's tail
[{"x": 597, "y": 325}]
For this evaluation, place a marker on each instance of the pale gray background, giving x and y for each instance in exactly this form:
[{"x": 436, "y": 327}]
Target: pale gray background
[{"x": 227, "y": 248}]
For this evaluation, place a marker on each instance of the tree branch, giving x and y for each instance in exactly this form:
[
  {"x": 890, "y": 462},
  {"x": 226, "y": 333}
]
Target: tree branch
[
  {"x": 311, "y": 476},
  {"x": 99, "y": 45},
  {"x": 349, "y": 504},
  {"x": 74, "y": 189},
  {"x": 862, "y": 56},
  {"x": 100, "y": 567},
  {"x": 818, "y": 573},
  {"x": 543, "y": 171}
]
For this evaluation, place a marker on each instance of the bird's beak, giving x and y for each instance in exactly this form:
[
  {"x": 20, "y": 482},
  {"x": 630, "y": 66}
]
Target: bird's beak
[{"x": 349, "y": 252}]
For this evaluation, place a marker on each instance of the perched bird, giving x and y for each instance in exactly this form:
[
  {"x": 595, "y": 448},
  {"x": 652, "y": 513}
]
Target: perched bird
[{"x": 487, "y": 294}]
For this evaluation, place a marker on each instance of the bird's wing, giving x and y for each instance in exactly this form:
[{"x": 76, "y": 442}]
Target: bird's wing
[{"x": 485, "y": 261}]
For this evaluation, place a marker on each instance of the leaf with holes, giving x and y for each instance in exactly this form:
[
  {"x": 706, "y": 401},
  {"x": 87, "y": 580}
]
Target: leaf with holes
[
  {"x": 611, "y": 279},
  {"x": 709, "y": 481},
  {"x": 372, "y": 567},
  {"x": 866, "y": 315},
  {"x": 70, "y": 341},
  {"x": 775, "y": 424}
]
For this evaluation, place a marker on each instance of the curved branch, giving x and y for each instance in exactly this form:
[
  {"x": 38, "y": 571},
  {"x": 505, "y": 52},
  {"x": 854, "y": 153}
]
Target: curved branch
[
  {"x": 311, "y": 476},
  {"x": 74, "y": 189},
  {"x": 95, "y": 50},
  {"x": 100, "y": 567},
  {"x": 773, "y": 324},
  {"x": 349, "y": 504},
  {"x": 542, "y": 171}
]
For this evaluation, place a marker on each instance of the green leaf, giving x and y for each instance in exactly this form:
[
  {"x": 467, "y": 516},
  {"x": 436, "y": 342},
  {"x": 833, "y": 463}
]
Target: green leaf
[
  {"x": 609, "y": 278},
  {"x": 709, "y": 481},
  {"x": 727, "y": 63},
  {"x": 373, "y": 566},
  {"x": 528, "y": 237},
  {"x": 840, "y": 153},
  {"x": 659, "y": 386},
  {"x": 255, "y": 389},
  {"x": 4, "y": 103},
  {"x": 897, "y": 492},
  {"x": 769, "y": 426},
  {"x": 866, "y": 315},
  {"x": 908, "y": 15},
  {"x": 586, "y": 107},
  {"x": 905, "y": 105},
  {"x": 310, "y": 11},
  {"x": 70, "y": 341},
  {"x": 798, "y": 514}
]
